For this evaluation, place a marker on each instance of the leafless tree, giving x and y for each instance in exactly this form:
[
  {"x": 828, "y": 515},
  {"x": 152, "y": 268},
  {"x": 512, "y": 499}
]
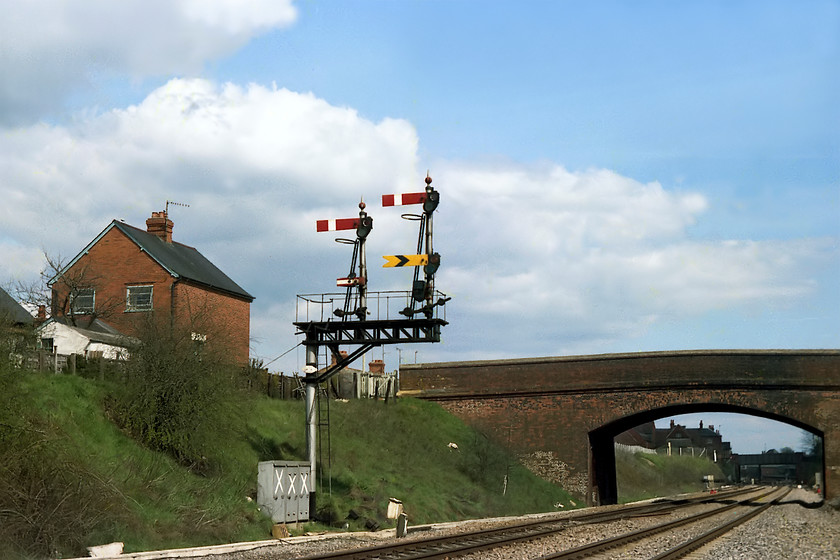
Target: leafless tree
[{"x": 63, "y": 291}]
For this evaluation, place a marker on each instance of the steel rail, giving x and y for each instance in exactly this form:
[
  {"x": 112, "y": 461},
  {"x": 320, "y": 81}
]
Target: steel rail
[
  {"x": 628, "y": 538},
  {"x": 691, "y": 545},
  {"x": 465, "y": 543}
]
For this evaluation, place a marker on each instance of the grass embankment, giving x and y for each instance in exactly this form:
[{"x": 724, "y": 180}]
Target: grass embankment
[
  {"x": 641, "y": 476},
  {"x": 70, "y": 478}
]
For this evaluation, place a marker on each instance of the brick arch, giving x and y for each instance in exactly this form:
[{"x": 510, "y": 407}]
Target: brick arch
[
  {"x": 602, "y": 469},
  {"x": 552, "y": 405}
]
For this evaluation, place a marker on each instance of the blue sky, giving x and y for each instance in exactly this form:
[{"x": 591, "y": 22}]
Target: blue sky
[{"x": 615, "y": 176}]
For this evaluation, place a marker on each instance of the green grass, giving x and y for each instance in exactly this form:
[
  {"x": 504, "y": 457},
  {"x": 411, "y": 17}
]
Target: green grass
[
  {"x": 401, "y": 450},
  {"x": 641, "y": 476},
  {"x": 96, "y": 484},
  {"x": 153, "y": 501}
]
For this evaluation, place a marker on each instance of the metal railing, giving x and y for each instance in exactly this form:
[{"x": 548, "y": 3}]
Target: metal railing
[{"x": 381, "y": 306}]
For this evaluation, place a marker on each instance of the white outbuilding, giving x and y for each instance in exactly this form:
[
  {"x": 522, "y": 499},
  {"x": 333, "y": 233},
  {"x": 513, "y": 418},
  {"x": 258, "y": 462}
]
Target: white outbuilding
[{"x": 98, "y": 340}]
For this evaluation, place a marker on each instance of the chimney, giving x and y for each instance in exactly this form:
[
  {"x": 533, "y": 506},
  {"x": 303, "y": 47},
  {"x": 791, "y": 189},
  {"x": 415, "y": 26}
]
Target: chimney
[
  {"x": 41, "y": 317},
  {"x": 377, "y": 367},
  {"x": 343, "y": 355},
  {"x": 701, "y": 424},
  {"x": 160, "y": 225},
  {"x": 672, "y": 423},
  {"x": 712, "y": 427}
]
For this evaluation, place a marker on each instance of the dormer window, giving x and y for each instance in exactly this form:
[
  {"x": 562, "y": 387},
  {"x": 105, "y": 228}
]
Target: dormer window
[
  {"x": 82, "y": 302},
  {"x": 138, "y": 298}
]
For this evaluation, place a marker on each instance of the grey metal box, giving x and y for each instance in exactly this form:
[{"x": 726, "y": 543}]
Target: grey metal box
[{"x": 283, "y": 490}]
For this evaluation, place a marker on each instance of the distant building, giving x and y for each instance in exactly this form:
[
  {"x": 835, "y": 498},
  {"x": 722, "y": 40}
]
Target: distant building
[
  {"x": 351, "y": 383},
  {"x": 126, "y": 276},
  {"x": 777, "y": 468},
  {"x": 679, "y": 440}
]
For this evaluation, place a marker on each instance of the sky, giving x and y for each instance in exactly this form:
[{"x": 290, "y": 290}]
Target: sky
[{"x": 614, "y": 176}]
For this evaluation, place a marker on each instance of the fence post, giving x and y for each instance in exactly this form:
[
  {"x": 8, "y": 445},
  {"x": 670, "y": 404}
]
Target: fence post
[
  {"x": 72, "y": 364},
  {"x": 102, "y": 368}
]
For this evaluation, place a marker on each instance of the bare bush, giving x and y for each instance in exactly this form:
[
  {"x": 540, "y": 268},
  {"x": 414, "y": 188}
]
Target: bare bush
[{"x": 179, "y": 393}]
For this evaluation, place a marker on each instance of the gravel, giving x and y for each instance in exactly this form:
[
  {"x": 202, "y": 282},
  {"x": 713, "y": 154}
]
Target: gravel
[
  {"x": 790, "y": 530},
  {"x": 798, "y": 528}
]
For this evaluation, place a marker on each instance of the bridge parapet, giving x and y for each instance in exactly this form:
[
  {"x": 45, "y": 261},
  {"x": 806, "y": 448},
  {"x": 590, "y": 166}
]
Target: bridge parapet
[{"x": 729, "y": 369}]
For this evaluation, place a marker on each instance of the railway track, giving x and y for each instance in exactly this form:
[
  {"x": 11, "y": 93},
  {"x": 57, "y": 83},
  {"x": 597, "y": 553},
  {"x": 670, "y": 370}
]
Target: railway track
[
  {"x": 476, "y": 541},
  {"x": 752, "y": 505}
]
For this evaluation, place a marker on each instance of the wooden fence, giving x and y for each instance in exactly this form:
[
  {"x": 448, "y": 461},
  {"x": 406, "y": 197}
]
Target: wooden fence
[
  {"x": 74, "y": 364},
  {"x": 345, "y": 385},
  {"x": 348, "y": 384}
]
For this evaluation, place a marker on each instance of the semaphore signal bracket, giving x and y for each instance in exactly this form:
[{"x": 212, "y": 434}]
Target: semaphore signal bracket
[
  {"x": 363, "y": 319},
  {"x": 370, "y": 319}
]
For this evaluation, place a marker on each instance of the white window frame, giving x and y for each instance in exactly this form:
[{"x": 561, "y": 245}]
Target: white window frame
[
  {"x": 133, "y": 307},
  {"x": 81, "y": 295}
]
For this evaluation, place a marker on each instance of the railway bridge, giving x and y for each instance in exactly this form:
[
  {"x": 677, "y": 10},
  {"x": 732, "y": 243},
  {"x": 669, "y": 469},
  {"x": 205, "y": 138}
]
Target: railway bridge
[{"x": 574, "y": 406}]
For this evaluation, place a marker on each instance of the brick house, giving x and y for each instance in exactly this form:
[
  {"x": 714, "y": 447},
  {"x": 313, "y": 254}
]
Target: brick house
[
  {"x": 125, "y": 276},
  {"x": 679, "y": 439}
]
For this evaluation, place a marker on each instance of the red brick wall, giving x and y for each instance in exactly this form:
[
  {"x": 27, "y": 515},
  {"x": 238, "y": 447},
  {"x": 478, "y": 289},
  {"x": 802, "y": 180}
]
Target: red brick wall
[
  {"x": 225, "y": 320},
  {"x": 111, "y": 265},
  {"x": 555, "y": 404},
  {"x": 116, "y": 262}
]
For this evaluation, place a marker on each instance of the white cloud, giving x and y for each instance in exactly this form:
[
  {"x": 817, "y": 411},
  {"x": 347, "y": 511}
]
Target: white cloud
[
  {"x": 237, "y": 16},
  {"x": 597, "y": 253},
  {"x": 256, "y": 165},
  {"x": 50, "y": 48},
  {"x": 589, "y": 256}
]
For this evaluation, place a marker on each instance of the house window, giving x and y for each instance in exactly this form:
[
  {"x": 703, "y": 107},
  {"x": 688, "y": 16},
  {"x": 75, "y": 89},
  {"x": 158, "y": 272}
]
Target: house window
[
  {"x": 83, "y": 300},
  {"x": 138, "y": 298}
]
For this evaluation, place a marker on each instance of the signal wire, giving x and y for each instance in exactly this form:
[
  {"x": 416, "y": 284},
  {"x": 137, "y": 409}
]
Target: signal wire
[{"x": 283, "y": 354}]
